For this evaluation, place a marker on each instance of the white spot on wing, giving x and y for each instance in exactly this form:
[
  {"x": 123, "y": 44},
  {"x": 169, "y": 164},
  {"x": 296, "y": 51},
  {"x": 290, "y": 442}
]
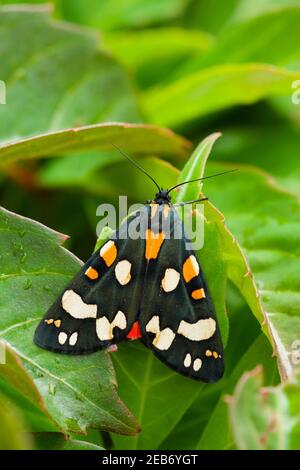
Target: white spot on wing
[
  {"x": 197, "y": 364},
  {"x": 73, "y": 339},
  {"x": 120, "y": 320},
  {"x": 62, "y": 338},
  {"x": 104, "y": 328},
  {"x": 163, "y": 338},
  {"x": 170, "y": 280},
  {"x": 187, "y": 360},
  {"x": 202, "y": 329},
  {"x": 76, "y": 307},
  {"x": 122, "y": 271}
]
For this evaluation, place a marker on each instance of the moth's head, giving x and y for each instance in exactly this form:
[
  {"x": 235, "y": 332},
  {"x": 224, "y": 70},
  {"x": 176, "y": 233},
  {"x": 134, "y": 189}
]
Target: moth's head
[{"x": 162, "y": 197}]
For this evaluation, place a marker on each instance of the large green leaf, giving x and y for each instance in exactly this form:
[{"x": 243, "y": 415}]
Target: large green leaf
[
  {"x": 133, "y": 138},
  {"x": 246, "y": 9},
  {"x": 188, "y": 431},
  {"x": 221, "y": 256},
  {"x": 209, "y": 15},
  {"x": 57, "y": 77},
  {"x": 18, "y": 385},
  {"x": 79, "y": 392},
  {"x": 55, "y": 441},
  {"x": 110, "y": 182},
  {"x": 273, "y": 148},
  {"x": 117, "y": 14},
  {"x": 12, "y": 430},
  {"x": 265, "y": 418},
  {"x": 217, "y": 433},
  {"x": 272, "y": 38},
  {"x": 265, "y": 219},
  {"x": 215, "y": 16},
  {"x": 154, "y": 54},
  {"x": 157, "y": 396},
  {"x": 214, "y": 89}
]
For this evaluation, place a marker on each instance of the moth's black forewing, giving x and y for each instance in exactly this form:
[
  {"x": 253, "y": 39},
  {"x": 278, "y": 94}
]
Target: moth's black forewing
[
  {"x": 177, "y": 305},
  {"x": 105, "y": 292}
]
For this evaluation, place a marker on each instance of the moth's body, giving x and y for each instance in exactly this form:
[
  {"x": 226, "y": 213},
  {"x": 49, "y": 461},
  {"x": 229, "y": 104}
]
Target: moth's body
[{"x": 150, "y": 288}]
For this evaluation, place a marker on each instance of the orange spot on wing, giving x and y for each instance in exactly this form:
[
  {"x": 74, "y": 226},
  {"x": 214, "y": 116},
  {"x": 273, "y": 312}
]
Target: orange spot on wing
[
  {"x": 198, "y": 294},
  {"x": 57, "y": 323},
  {"x": 153, "y": 243},
  {"x": 91, "y": 273},
  {"x": 190, "y": 268},
  {"x": 135, "y": 332},
  {"x": 109, "y": 253},
  {"x": 49, "y": 321}
]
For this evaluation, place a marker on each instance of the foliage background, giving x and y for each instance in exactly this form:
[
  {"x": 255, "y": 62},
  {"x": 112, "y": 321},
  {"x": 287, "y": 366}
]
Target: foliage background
[{"x": 197, "y": 67}]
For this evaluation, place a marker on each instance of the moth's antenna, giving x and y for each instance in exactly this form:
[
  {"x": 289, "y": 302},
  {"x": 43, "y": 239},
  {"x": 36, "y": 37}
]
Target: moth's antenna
[
  {"x": 200, "y": 179},
  {"x": 191, "y": 202},
  {"x": 136, "y": 165}
]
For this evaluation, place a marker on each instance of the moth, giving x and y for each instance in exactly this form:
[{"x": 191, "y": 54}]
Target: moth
[{"x": 151, "y": 288}]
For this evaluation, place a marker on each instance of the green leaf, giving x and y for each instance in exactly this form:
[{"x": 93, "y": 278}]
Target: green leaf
[
  {"x": 251, "y": 8},
  {"x": 265, "y": 418},
  {"x": 12, "y": 430},
  {"x": 57, "y": 77},
  {"x": 265, "y": 219},
  {"x": 36, "y": 417},
  {"x": 15, "y": 374},
  {"x": 18, "y": 385},
  {"x": 55, "y": 441},
  {"x": 106, "y": 176},
  {"x": 154, "y": 54},
  {"x": 79, "y": 392},
  {"x": 209, "y": 15},
  {"x": 188, "y": 431},
  {"x": 195, "y": 168},
  {"x": 258, "y": 353},
  {"x": 133, "y": 138},
  {"x": 214, "y": 89},
  {"x": 117, "y": 14},
  {"x": 145, "y": 386},
  {"x": 217, "y": 433},
  {"x": 252, "y": 145},
  {"x": 221, "y": 256},
  {"x": 111, "y": 182},
  {"x": 271, "y": 38}
]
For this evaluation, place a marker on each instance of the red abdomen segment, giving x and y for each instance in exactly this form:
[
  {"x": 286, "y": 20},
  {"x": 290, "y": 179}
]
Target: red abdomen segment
[{"x": 135, "y": 332}]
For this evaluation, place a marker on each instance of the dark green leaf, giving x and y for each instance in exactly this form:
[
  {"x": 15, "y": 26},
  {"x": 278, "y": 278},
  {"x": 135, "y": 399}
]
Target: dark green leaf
[
  {"x": 12, "y": 431},
  {"x": 132, "y": 138},
  {"x": 55, "y": 441},
  {"x": 79, "y": 392},
  {"x": 57, "y": 77},
  {"x": 214, "y": 89},
  {"x": 266, "y": 220}
]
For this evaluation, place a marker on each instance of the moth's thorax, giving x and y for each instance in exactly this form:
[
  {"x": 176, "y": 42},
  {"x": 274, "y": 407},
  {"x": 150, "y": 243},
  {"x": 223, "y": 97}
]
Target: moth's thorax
[{"x": 162, "y": 197}]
